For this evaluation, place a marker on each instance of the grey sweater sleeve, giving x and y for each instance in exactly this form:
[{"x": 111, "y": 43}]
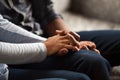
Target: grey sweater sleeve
[{"x": 18, "y": 46}]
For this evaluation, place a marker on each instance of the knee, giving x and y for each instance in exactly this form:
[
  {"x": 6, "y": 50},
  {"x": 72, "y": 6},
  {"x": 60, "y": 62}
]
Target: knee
[
  {"x": 90, "y": 58},
  {"x": 75, "y": 75},
  {"x": 95, "y": 59}
]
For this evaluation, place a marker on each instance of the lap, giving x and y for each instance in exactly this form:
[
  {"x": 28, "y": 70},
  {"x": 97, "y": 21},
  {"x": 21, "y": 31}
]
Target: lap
[
  {"x": 66, "y": 62},
  {"x": 83, "y": 61},
  {"x": 107, "y": 41},
  {"x": 29, "y": 74}
]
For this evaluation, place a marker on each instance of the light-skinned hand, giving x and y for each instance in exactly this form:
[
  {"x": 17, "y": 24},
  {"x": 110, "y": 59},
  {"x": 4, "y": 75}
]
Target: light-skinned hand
[
  {"x": 75, "y": 38},
  {"x": 57, "y": 42}
]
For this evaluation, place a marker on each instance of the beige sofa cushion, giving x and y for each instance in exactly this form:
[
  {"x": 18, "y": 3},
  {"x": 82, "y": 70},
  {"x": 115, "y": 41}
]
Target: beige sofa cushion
[
  {"x": 102, "y": 9},
  {"x": 61, "y": 5}
]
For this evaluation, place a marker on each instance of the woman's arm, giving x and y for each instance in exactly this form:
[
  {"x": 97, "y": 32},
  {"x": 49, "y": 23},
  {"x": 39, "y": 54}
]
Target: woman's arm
[
  {"x": 12, "y": 33},
  {"x": 11, "y": 53},
  {"x": 19, "y": 46}
]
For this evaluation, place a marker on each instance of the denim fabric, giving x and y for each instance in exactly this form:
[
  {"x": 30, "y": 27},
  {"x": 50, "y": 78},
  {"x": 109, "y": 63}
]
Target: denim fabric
[
  {"x": 36, "y": 74},
  {"x": 52, "y": 79},
  {"x": 84, "y": 61},
  {"x": 107, "y": 41}
]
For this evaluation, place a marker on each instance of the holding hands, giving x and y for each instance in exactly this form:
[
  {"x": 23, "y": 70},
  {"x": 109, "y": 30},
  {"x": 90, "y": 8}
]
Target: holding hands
[{"x": 63, "y": 41}]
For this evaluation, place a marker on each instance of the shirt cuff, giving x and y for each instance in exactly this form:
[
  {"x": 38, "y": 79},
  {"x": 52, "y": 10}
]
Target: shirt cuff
[{"x": 43, "y": 52}]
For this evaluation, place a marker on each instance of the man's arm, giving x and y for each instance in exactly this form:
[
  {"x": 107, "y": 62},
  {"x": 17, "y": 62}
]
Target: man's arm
[
  {"x": 50, "y": 21},
  {"x": 57, "y": 24}
]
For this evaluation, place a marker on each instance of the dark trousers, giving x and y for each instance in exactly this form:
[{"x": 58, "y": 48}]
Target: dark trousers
[
  {"x": 107, "y": 41},
  {"x": 88, "y": 62},
  {"x": 84, "y": 61},
  {"x": 30, "y": 74}
]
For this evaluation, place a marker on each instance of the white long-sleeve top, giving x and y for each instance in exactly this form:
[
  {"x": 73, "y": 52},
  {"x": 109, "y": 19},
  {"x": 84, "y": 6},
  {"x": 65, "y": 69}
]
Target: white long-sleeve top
[{"x": 18, "y": 46}]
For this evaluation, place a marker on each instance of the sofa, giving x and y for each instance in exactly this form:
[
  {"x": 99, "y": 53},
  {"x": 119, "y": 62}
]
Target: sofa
[{"x": 82, "y": 15}]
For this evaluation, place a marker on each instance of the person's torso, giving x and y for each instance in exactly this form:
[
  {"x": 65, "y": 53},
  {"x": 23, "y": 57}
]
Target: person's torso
[{"x": 20, "y": 13}]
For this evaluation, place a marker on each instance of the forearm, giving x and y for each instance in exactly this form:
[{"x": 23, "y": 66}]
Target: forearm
[
  {"x": 22, "y": 53},
  {"x": 57, "y": 24},
  {"x": 26, "y": 48}
]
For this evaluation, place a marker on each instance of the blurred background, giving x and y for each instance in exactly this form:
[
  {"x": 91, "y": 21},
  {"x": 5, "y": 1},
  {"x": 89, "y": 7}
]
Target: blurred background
[
  {"x": 90, "y": 14},
  {"x": 82, "y": 15}
]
